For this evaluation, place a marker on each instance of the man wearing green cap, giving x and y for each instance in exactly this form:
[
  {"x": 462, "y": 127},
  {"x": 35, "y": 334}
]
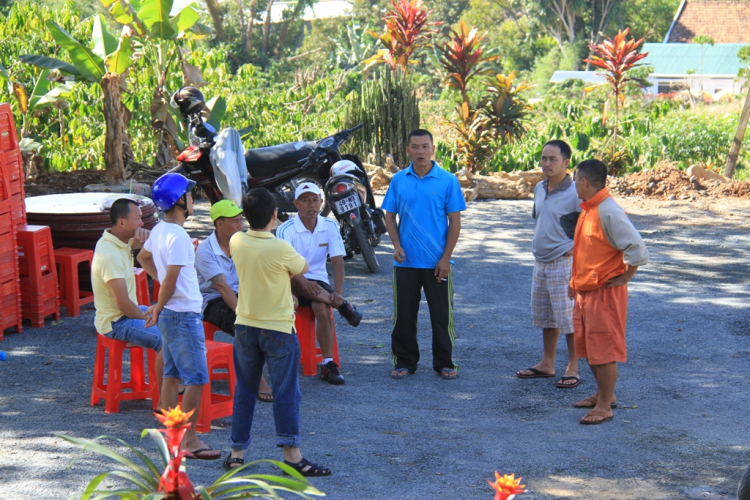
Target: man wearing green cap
[{"x": 217, "y": 275}]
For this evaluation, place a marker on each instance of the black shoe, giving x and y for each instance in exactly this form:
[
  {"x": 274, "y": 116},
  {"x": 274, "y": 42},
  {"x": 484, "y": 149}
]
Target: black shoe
[
  {"x": 330, "y": 373},
  {"x": 350, "y": 313}
]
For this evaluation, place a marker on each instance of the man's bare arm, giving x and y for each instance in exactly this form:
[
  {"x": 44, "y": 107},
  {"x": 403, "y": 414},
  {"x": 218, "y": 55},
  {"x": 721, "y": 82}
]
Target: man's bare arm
[
  {"x": 146, "y": 260},
  {"x": 126, "y": 306},
  {"x": 337, "y": 263},
  {"x": 166, "y": 291},
  {"x": 220, "y": 283}
]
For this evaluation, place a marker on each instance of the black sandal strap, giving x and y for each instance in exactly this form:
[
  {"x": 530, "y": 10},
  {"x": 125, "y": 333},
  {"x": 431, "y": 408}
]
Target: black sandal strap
[
  {"x": 314, "y": 469},
  {"x": 230, "y": 460}
]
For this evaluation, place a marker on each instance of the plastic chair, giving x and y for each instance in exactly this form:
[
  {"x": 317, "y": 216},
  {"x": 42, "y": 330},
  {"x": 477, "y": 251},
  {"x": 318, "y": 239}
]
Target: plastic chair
[
  {"x": 215, "y": 405},
  {"x": 112, "y": 391},
  {"x": 141, "y": 286},
  {"x": 71, "y": 296},
  {"x": 209, "y": 330},
  {"x": 310, "y": 354}
]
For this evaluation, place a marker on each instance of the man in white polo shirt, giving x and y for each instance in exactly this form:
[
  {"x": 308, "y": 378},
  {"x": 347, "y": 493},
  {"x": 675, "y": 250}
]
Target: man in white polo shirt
[{"x": 317, "y": 238}]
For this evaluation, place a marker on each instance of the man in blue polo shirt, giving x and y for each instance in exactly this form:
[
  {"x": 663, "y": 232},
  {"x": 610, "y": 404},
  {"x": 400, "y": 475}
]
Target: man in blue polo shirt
[{"x": 428, "y": 201}]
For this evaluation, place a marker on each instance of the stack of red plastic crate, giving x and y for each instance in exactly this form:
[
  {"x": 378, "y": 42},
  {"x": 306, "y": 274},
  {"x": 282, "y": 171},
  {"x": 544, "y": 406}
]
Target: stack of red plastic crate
[
  {"x": 40, "y": 294},
  {"x": 12, "y": 215}
]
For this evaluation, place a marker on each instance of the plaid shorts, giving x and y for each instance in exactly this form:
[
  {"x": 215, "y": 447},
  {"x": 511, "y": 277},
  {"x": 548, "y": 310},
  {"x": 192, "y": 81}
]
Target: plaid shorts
[{"x": 550, "y": 305}]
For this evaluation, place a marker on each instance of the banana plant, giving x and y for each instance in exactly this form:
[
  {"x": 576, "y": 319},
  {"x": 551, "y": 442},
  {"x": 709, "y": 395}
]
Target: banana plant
[
  {"x": 108, "y": 58},
  {"x": 157, "y": 35}
]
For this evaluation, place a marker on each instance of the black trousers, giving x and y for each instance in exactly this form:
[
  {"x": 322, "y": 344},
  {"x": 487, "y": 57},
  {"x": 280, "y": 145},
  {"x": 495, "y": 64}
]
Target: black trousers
[
  {"x": 218, "y": 313},
  {"x": 408, "y": 283}
]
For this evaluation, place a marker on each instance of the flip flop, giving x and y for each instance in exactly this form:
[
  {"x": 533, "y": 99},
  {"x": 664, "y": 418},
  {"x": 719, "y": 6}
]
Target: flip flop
[
  {"x": 595, "y": 413},
  {"x": 267, "y": 397},
  {"x": 445, "y": 374},
  {"x": 534, "y": 374},
  {"x": 590, "y": 402},
  {"x": 399, "y": 375},
  {"x": 562, "y": 385},
  {"x": 201, "y": 454}
]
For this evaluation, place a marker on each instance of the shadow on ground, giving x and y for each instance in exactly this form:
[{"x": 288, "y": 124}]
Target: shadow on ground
[{"x": 682, "y": 435}]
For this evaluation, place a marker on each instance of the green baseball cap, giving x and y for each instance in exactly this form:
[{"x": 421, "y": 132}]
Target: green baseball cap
[{"x": 224, "y": 208}]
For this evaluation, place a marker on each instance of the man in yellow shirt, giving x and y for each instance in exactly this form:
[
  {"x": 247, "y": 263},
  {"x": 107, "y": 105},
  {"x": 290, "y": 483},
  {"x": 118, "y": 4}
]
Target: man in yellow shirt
[
  {"x": 264, "y": 332},
  {"x": 118, "y": 315}
]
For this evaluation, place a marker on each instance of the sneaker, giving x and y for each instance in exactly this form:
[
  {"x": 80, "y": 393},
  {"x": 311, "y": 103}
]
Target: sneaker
[
  {"x": 330, "y": 373},
  {"x": 350, "y": 313}
]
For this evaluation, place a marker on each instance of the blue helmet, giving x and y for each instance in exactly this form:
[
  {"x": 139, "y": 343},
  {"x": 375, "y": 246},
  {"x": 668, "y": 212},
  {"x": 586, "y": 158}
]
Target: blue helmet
[{"x": 168, "y": 189}]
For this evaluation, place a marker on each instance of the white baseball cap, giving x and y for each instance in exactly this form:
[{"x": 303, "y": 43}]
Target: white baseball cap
[{"x": 307, "y": 187}]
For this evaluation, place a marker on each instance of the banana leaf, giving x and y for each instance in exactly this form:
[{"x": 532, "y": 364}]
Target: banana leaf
[
  {"x": 5, "y": 78},
  {"x": 218, "y": 107},
  {"x": 185, "y": 19},
  {"x": 155, "y": 16},
  {"x": 120, "y": 60},
  {"x": 104, "y": 42},
  {"x": 50, "y": 63},
  {"x": 89, "y": 64}
]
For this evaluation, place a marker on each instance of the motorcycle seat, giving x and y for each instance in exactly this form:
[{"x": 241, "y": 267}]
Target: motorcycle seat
[{"x": 264, "y": 161}]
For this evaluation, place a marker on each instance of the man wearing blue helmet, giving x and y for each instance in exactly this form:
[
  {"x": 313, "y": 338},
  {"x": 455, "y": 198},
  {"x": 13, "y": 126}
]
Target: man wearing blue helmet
[{"x": 168, "y": 256}]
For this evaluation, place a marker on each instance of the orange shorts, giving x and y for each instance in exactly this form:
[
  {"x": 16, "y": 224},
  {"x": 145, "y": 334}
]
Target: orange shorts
[{"x": 599, "y": 319}]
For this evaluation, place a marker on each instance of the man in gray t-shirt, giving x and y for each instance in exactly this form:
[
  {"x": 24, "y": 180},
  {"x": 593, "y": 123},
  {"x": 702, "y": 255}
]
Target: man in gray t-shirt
[{"x": 556, "y": 209}]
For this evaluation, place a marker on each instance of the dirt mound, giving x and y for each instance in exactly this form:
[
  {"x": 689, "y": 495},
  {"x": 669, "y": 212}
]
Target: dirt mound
[
  {"x": 669, "y": 183},
  {"x": 63, "y": 182}
]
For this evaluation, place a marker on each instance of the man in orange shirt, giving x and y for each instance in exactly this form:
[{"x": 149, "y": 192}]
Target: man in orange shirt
[{"x": 607, "y": 251}]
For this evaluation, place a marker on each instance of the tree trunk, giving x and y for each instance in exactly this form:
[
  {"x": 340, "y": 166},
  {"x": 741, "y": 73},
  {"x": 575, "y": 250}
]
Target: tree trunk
[
  {"x": 250, "y": 24},
  {"x": 267, "y": 26},
  {"x": 215, "y": 13},
  {"x": 241, "y": 15},
  {"x": 734, "y": 151},
  {"x": 112, "y": 99}
]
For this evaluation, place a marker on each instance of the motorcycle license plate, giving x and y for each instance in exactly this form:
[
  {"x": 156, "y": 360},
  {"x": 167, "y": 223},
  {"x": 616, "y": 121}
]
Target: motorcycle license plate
[{"x": 347, "y": 204}]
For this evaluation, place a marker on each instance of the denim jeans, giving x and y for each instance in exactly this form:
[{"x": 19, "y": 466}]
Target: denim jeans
[
  {"x": 281, "y": 352},
  {"x": 134, "y": 331},
  {"x": 183, "y": 346}
]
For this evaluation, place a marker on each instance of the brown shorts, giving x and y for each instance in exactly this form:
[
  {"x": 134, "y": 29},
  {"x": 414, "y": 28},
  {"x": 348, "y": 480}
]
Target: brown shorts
[{"x": 599, "y": 320}]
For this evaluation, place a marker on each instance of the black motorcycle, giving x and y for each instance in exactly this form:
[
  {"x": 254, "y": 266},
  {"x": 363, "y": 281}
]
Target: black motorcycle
[
  {"x": 362, "y": 223},
  {"x": 282, "y": 168}
]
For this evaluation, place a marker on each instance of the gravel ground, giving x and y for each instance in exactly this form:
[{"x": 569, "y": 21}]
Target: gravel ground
[{"x": 683, "y": 433}]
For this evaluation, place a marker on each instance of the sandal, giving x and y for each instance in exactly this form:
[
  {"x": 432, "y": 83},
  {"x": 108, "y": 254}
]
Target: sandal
[
  {"x": 562, "y": 385},
  {"x": 400, "y": 373},
  {"x": 590, "y": 402},
  {"x": 595, "y": 413},
  {"x": 203, "y": 454},
  {"x": 265, "y": 397},
  {"x": 314, "y": 470},
  {"x": 230, "y": 461},
  {"x": 448, "y": 374},
  {"x": 534, "y": 374}
]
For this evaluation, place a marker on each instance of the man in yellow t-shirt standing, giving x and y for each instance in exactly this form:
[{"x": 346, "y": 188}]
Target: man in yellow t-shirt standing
[
  {"x": 118, "y": 315},
  {"x": 264, "y": 332}
]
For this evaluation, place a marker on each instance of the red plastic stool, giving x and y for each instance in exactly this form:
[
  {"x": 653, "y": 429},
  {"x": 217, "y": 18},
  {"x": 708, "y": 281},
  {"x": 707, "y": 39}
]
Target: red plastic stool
[
  {"x": 71, "y": 296},
  {"x": 141, "y": 286},
  {"x": 112, "y": 392},
  {"x": 209, "y": 330},
  {"x": 215, "y": 405},
  {"x": 310, "y": 354}
]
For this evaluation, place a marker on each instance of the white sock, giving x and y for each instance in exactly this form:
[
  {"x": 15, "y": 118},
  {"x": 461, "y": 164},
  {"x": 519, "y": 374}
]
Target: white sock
[{"x": 327, "y": 360}]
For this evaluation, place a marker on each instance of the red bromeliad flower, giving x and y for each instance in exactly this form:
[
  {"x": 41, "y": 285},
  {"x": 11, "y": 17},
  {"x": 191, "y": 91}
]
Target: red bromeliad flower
[
  {"x": 405, "y": 32},
  {"x": 175, "y": 481},
  {"x": 616, "y": 56},
  {"x": 463, "y": 57},
  {"x": 507, "y": 487}
]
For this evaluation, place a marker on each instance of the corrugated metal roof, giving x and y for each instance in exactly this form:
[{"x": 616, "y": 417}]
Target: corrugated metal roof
[{"x": 679, "y": 58}]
